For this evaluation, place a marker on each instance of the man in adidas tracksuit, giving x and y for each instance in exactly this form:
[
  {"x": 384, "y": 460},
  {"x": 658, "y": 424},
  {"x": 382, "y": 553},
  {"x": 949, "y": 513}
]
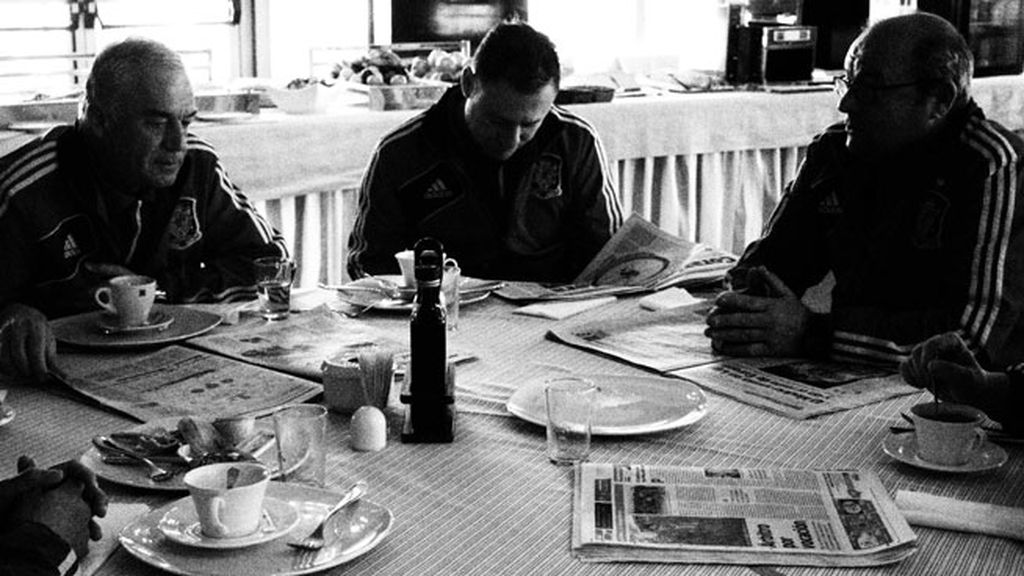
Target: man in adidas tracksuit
[
  {"x": 513, "y": 187},
  {"x": 126, "y": 190},
  {"x": 914, "y": 204}
]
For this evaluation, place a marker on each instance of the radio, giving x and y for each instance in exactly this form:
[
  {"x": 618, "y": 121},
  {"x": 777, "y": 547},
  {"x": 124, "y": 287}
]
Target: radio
[{"x": 770, "y": 53}]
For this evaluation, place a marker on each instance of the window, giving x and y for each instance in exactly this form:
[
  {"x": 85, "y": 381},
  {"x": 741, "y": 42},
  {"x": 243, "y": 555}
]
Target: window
[{"x": 48, "y": 45}]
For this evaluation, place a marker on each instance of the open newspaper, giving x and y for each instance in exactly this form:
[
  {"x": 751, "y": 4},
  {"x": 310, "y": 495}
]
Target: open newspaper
[
  {"x": 305, "y": 341},
  {"x": 300, "y": 345},
  {"x": 630, "y": 513},
  {"x": 639, "y": 258},
  {"x": 673, "y": 342},
  {"x": 179, "y": 381}
]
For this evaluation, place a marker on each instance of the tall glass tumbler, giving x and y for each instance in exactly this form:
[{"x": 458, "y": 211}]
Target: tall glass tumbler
[
  {"x": 274, "y": 286},
  {"x": 570, "y": 406},
  {"x": 299, "y": 432}
]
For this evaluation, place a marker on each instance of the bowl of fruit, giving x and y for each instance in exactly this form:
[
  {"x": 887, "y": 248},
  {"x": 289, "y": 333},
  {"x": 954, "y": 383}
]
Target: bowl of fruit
[{"x": 396, "y": 84}]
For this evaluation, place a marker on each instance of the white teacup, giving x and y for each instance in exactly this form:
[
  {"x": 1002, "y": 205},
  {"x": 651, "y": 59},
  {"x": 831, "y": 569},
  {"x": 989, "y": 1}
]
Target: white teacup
[
  {"x": 228, "y": 497},
  {"x": 947, "y": 433},
  {"x": 406, "y": 262},
  {"x": 129, "y": 298}
]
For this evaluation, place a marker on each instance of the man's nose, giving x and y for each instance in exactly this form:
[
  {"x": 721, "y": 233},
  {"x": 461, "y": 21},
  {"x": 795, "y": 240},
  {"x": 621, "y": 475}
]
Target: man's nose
[
  {"x": 848, "y": 102},
  {"x": 175, "y": 135}
]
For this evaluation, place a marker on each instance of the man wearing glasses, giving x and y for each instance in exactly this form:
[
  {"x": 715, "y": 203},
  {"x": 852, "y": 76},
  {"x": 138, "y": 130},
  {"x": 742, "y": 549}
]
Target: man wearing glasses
[{"x": 913, "y": 204}]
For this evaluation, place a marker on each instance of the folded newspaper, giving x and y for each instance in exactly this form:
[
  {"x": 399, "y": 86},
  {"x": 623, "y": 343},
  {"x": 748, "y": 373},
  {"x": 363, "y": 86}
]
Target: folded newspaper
[
  {"x": 639, "y": 258},
  {"x": 673, "y": 343},
  {"x": 751, "y": 516}
]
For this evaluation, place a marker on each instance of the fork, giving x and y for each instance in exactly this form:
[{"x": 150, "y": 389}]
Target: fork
[
  {"x": 156, "y": 473},
  {"x": 315, "y": 540}
]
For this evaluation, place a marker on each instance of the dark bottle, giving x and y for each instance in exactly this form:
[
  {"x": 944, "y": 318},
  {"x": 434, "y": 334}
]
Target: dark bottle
[
  {"x": 430, "y": 416},
  {"x": 428, "y": 325}
]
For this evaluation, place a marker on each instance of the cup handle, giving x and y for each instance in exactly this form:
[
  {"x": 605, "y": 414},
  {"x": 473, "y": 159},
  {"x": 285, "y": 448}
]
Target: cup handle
[
  {"x": 979, "y": 439},
  {"x": 216, "y": 509},
  {"x": 102, "y": 297}
]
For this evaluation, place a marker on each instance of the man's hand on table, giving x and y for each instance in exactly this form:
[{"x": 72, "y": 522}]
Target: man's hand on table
[
  {"x": 764, "y": 319},
  {"x": 64, "y": 498},
  {"x": 27, "y": 345},
  {"x": 944, "y": 365}
]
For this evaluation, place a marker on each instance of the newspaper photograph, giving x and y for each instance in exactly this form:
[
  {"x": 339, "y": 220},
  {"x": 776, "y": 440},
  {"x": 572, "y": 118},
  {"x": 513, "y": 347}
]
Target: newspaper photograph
[
  {"x": 640, "y": 257},
  {"x": 799, "y": 388},
  {"x": 664, "y": 341},
  {"x": 179, "y": 381},
  {"x": 625, "y": 513}
]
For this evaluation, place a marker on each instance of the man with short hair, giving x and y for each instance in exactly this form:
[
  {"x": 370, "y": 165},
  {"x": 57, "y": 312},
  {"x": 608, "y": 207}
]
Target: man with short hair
[
  {"x": 514, "y": 187},
  {"x": 126, "y": 190},
  {"x": 913, "y": 204}
]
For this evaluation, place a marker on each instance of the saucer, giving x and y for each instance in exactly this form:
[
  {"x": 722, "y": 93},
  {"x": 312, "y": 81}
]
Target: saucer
[
  {"x": 181, "y": 525},
  {"x": 354, "y": 532},
  {"x": 158, "y": 320},
  {"x": 903, "y": 447}
]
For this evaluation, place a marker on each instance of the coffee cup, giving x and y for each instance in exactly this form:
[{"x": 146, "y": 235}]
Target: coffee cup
[
  {"x": 946, "y": 433},
  {"x": 234, "y": 430},
  {"x": 406, "y": 262},
  {"x": 128, "y": 298},
  {"x": 228, "y": 497}
]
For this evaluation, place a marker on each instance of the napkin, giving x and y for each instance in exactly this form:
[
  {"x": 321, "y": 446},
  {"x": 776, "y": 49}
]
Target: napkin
[
  {"x": 667, "y": 299},
  {"x": 950, "y": 514},
  {"x": 564, "y": 309}
]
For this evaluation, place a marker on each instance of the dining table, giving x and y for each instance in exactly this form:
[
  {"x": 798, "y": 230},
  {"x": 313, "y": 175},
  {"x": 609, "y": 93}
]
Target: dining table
[{"x": 491, "y": 502}]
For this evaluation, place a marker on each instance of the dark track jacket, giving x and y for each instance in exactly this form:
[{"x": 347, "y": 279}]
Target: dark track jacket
[
  {"x": 198, "y": 238},
  {"x": 31, "y": 549},
  {"x": 931, "y": 245},
  {"x": 541, "y": 215}
]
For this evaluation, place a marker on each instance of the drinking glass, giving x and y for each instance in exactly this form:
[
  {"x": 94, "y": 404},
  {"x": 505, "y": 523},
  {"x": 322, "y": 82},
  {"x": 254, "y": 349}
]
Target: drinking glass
[
  {"x": 274, "y": 286},
  {"x": 570, "y": 406},
  {"x": 299, "y": 432}
]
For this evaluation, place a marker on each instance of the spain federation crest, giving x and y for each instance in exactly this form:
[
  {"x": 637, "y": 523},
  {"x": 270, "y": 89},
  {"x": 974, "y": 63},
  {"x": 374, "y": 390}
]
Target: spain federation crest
[
  {"x": 546, "y": 179},
  {"x": 183, "y": 229},
  {"x": 930, "y": 221}
]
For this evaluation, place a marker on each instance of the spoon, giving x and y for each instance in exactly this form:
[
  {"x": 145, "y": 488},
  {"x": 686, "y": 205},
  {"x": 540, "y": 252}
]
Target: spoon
[{"x": 107, "y": 444}]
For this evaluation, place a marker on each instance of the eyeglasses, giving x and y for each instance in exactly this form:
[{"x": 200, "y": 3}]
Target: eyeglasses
[{"x": 867, "y": 93}]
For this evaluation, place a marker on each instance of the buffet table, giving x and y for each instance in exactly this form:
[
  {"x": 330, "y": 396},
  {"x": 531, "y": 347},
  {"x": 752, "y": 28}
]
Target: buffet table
[{"x": 491, "y": 503}]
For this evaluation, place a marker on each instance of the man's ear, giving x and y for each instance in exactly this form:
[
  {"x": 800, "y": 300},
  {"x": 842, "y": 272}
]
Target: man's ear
[
  {"x": 95, "y": 119},
  {"x": 467, "y": 82}
]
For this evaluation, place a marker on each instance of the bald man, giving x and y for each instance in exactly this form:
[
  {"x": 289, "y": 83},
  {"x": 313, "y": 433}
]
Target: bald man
[
  {"x": 125, "y": 190},
  {"x": 913, "y": 204}
]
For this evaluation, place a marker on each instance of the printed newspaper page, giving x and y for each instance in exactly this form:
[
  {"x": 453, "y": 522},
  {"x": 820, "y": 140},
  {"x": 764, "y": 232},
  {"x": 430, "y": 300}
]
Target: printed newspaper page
[
  {"x": 799, "y": 388},
  {"x": 178, "y": 381},
  {"x": 639, "y": 258},
  {"x": 664, "y": 341},
  {"x": 625, "y": 513},
  {"x": 673, "y": 342},
  {"x": 301, "y": 344},
  {"x": 298, "y": 345}
]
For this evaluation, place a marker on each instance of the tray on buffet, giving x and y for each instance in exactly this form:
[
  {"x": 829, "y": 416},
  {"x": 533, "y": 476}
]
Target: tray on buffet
[{"x": 43, "y": 111}]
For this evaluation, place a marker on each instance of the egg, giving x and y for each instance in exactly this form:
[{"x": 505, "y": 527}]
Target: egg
[{"x": 368, "y": 430}]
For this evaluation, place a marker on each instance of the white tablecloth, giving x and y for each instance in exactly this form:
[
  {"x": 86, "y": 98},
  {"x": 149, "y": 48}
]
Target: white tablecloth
[{"x": 491, "y": 503}]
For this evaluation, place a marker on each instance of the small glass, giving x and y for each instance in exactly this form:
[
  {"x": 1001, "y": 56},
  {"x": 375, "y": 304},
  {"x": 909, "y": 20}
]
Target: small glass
[
  {"x": 450, "y": 283},
  {"x": 274, "y": 286},
  {"x": 570, "y": 407},
  {"x": 299, "y": 432}
]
